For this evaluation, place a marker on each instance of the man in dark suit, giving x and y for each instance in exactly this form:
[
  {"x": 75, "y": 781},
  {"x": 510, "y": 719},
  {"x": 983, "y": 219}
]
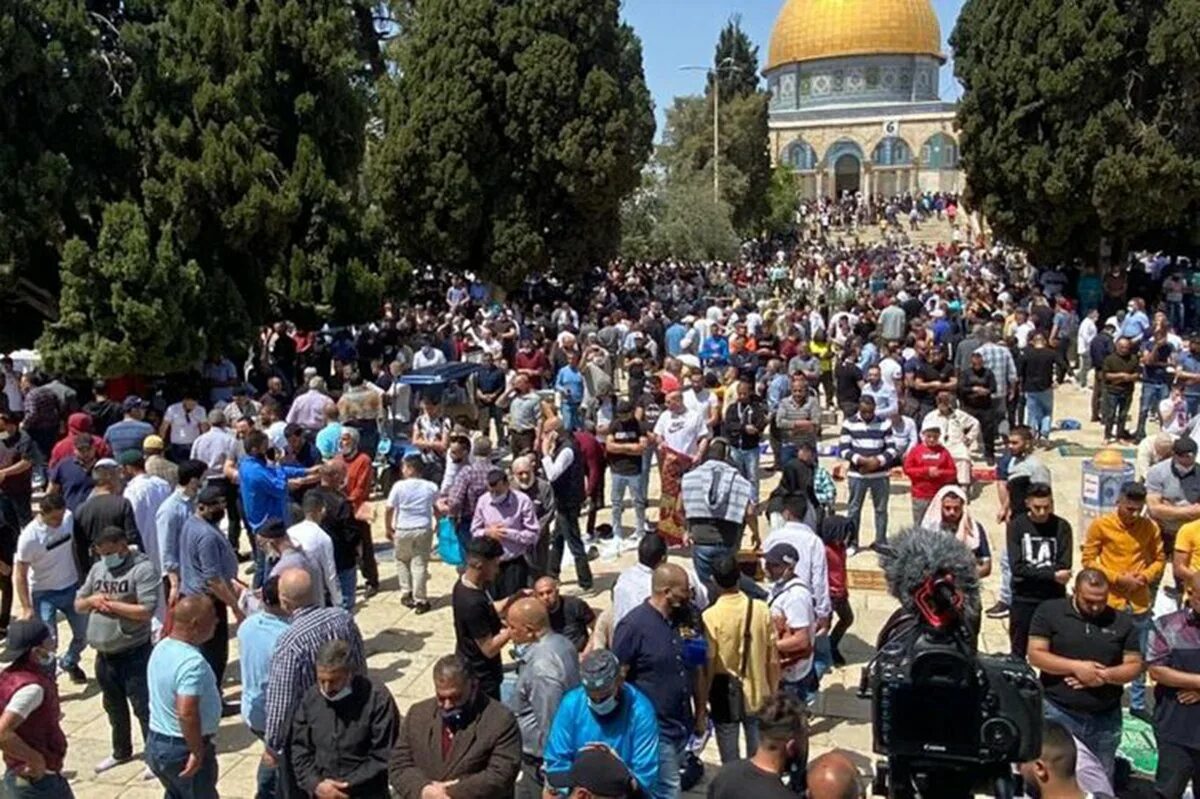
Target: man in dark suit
[{"x": 459, "y": 744}]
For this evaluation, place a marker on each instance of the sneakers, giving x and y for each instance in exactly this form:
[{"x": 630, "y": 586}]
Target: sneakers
[
  {"x": 148, "y": 775},
  {"x": 997, "y": 611},
  {"x": 407, "y": 601},
  {"x": 110, "y": 762},
  {"x": 76, "y": 674},
  {"x": 421, "y": 607}
]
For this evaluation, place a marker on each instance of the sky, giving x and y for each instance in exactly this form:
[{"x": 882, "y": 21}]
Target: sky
[{"x": 681, "y": 32}]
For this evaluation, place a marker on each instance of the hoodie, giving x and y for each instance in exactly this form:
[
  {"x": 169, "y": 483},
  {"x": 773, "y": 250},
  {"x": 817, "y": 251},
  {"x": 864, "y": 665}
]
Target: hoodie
[
  {"x": 135, "y": 581},
  {"x": 918, "y": 463},
  {"x": 65, "y": 447}
]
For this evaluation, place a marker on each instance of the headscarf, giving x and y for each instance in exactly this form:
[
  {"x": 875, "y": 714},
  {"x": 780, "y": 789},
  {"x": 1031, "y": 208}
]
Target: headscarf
[{"x": 968, "y": 531}]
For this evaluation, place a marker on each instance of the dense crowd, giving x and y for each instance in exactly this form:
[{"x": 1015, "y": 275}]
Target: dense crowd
[{"x": 502, "y": 432}]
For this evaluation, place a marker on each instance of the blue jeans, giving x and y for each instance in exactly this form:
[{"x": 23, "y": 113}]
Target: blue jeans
[
  {"x": 1193, "y": 404},
  {"x": 266, "y": 781},
  {"x": 167, "y": 756},
  {"x": 570, "y": 416},
  {"x": 348, "y": 581},
  {"x": 1099, "y": 732},
  {"x": 1039, "y": 410},
  {"x": 1175, "y": 315},
  {"x": 48, "y": 605},
  {"x": 703, "y": 558},
  {"x": 670, "y": 759},
  {"x": 51, "y": 786},
  {"x": 1142, "y": 622},
  {"x": 647, "y": 462},
  {"x": 787, "y": 454},
  {"x": 1152, "y": 394},
  {"x": 746, "y": 461},
  {"x": 728, "y": 736},
  {"x": 1005, "y": 580},
  {"x": 878, "y": 487},
  {"x": 617, "y": 497},
  {"x": 822, "y": 655}
]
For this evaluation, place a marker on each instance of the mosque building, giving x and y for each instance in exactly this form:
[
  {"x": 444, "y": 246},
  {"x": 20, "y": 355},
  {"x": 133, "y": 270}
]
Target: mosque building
[{"x": 854, "y": 98}]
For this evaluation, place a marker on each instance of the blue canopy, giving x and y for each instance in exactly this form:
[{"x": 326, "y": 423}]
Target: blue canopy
[{"x": 439, "y": 375}]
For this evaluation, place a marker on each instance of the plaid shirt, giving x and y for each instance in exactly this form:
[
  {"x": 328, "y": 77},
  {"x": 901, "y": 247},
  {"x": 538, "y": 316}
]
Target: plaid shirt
[
  {"x": 293, "y": 664},
  {"x": 469, "y": 485},
  {"x": 42, "y": 409},
  {"x": 1174, "y": 642},
  {"x": 1001, "y": 362},
  {"x": 823, "y": 486}
]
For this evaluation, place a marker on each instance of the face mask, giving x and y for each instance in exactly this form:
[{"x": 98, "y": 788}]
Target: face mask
[
  {"x": 44, "y": 659},
  {"x": 338, "y": 695},
  {"x": 114, "y": 561},
  {"x": 455, "y": 718},
  {"x": 605, "y": 707}
]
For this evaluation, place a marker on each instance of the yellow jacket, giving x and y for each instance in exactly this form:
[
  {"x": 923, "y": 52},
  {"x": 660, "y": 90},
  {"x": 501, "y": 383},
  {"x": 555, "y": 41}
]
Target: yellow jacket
[
  {"x": 724, "y": 624},
  {"x": 1116, "y": 549}
]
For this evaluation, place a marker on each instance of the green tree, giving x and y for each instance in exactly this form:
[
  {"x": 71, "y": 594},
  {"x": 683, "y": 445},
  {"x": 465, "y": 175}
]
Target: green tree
[
  {"x": 735, "y": 60},
  {"x": 126, "y": 305},
  {"x": 512, "y": 133},
  {"x": 782, "y": 199},
  {"x": 1079, "y": 120},
  {"x": 692, "y": 225}
]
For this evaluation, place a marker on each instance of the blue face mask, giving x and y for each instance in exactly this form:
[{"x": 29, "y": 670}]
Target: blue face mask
[
  {"x": 114, "y": 561},
  {"x": 605, "y": 707},
  {"x": 455, "y": 718}
]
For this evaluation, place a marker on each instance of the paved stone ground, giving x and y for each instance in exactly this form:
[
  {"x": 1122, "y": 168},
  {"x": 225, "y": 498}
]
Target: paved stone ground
[{"x": 402, "y": 647}]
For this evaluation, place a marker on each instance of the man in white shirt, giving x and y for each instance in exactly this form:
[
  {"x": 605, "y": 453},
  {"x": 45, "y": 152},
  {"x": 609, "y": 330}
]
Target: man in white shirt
[
  {"x": 891, "y": 370},
  {"x": 1087, "y": 333},
  {"x": 680, "y": 429},
  {"x": 316, "y": 545},
  {"x": 791, "y": 606},
  {"x": 408, "y": 523},
  {"x": 45, "y": 577},
  {"x": 811, "y": 567},
  {"x": 428, "y": 355},
  {"x": 145, "y": 493},
  {"x": 182, "y": 424}
]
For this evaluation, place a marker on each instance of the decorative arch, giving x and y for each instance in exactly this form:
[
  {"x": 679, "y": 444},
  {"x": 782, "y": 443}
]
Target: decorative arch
[
  {"x": 800, "y": 156},
  {"x": 940, "y": 151},
  {"x": 892, "y": 151},
  {"x": 842, "y": 147}
]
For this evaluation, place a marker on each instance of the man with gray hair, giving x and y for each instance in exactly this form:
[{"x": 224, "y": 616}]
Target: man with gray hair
[
  {"x": 348, "y": 707},
  {"x": 308, "y": 409},
  {"x": 527, "y": 480},
  {"x": 469, "y": 485}
]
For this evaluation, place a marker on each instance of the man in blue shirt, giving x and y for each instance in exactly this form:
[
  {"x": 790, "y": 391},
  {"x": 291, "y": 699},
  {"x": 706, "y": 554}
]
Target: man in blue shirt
[
  {"x": 674, "y": 338},
  {"x": 185, "y": 704},
  {"x": 648, "y": 644},
  {"x": 256, "y": 646},
  {"x": 1157, "y": 354},
  {"x": 169, "y": 519},
  {"x": 1136, "y": 324},
  {"x": 1188, "y": 375},
  {"x": 715, "y": 351},
  {"x": 603, "y": 710},
  {"x": 208, "y": 567},
  {"x": 264, "y": 489},
  {"x": 130, "y": 432},
  {"x": 569, "y": 383}
]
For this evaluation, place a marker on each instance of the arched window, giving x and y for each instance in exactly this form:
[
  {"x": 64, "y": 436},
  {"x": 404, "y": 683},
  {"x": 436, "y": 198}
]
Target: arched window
[
  {"x": 800, "y": 156},
  {"x": 892, "y": 151},
  {"x": 940, "y": 152}
]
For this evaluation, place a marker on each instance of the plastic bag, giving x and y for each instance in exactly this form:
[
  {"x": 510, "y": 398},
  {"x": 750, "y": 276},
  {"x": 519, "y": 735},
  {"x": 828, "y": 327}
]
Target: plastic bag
[{"x": 448, "y": 545}]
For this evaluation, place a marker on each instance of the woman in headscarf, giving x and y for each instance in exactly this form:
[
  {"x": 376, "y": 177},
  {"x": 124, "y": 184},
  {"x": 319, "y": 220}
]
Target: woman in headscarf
[
  {"x": 78, "y": 423},
  {"x": 948, "y": 513}
]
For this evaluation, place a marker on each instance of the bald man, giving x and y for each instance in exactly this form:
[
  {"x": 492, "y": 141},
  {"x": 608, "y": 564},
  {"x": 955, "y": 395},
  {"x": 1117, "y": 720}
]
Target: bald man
[
  {"x": 185, "y": 703},
  {"x": 548, "y": 667},
  {"x": 834, "y": 776},
  {"x": 569, "y": 615},
  {"x": 292, "y": 669},
  {"x": 650, "y": 647}
]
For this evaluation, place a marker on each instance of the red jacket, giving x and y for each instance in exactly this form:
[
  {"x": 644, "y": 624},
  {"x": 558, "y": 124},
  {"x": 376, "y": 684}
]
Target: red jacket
[{"x": 917, "y": 464}]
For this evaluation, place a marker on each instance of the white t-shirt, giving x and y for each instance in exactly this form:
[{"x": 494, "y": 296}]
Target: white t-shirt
[
  {"x": 681, "y": 432},
  {"x": 793, "y": 603},
  {"x": 1023, "y": 332},
  {"x": 50, "y": 553},
  {"x": 185, "y": 426},
  {"x": 699, "y": 401},
  {"x": 411, "y": 501},
  {"x": 889, "y": 372},
  {"x": 27, "y": 699}
]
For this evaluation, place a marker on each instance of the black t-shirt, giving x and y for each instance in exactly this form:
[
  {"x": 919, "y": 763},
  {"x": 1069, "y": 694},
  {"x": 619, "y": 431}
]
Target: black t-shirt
[
  {"x": 97, "y": 513},
  {"x": 847, "y": 377},
  {"x": 1120, "y": 364},
  {"x": 1037, "y": 369},
  {"x": 475, "y": 617},
  {"x": 104, "y": 413},
  {"x": 1104, "y": 639},
  {"x": 571, "y": 618},
  {"x": 625, "y": 432},
  {"x": 928, "y": 372},
  {"x": 742, "y": 778}
]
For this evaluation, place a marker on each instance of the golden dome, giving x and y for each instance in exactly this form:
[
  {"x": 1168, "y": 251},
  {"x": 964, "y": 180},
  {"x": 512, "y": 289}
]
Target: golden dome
[{"x": 809, "y": 29}]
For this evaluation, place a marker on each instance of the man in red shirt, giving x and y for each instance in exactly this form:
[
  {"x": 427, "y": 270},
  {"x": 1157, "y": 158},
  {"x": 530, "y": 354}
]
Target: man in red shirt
[
  {"x": 531, "y": 362},
  {"x": 929, "y": 466},
  {"x": 360, "y": 478}
]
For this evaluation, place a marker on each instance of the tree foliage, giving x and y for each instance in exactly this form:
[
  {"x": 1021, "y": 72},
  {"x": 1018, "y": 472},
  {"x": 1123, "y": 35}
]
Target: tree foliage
[
  {"x": 512, "y": 134},
  {"x": 735, "y": 61},
  {"x": 782, "y": 200},
  {"x": 1080, "y": 120}
]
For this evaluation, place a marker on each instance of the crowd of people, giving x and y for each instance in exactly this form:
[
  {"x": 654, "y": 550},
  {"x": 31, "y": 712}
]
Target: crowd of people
[{"x": 493, "y": 432}]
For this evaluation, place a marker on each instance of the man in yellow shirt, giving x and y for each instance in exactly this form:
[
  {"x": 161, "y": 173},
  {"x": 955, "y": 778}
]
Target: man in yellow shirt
[
  {"x": 755, "y": 666},
  {"x": 1127, "y": 547},
  {"x": 1186, "y": 560}
]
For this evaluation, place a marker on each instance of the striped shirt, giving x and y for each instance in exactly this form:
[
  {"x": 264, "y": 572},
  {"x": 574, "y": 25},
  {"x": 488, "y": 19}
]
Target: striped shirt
[
  {"x": 861, "y": 439},
  {"x": 1001, "y": 362},
  {"x": 293, "y": 664}
]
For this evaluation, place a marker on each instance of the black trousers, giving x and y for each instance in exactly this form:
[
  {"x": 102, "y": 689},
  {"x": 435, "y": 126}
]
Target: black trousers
[
  {"x": 845, "y": 618},
  {"x": 566, "y": 535},
  {"x": 366, "y": 555},
  {"x": 233, "y": 508},
  {"x": 1176, "y": 766},
  {"x": 122, "y": 678},
  {"x": 513, "y": 576},
  {"x": 216, "y": 649},
  {"x": 989, "y": 428},
  {"x": 1020, "y": 616}
]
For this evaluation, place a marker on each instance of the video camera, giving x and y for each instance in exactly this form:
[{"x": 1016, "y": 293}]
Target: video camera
[{"x": 950, "y": 721}]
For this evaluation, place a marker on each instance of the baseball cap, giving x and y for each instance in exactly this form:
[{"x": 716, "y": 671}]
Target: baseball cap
[
  {"x": 272, "y": 528},
  {"x": 130, "y": 457},
  {"x": 624, "y": 406},
  {"x": 598, "y": 670},
  {"x": 210, "y": 495},
  {"x": 784, "y": 554},
  {"x": 598, "y": 770},
  {"x": 1184, "y": 446},
  {"x": 132, "y": 403},
  {"x": 23, "y": 635},
  {"x": 105, "y": 463},
  {"x": 153, "y": 443}
]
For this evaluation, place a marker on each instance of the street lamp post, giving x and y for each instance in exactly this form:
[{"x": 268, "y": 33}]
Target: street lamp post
[{"x": 727, "y": 63}]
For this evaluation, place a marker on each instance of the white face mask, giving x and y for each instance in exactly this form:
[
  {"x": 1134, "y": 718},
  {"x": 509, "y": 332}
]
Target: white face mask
[{"x": 339, "y": 695}]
